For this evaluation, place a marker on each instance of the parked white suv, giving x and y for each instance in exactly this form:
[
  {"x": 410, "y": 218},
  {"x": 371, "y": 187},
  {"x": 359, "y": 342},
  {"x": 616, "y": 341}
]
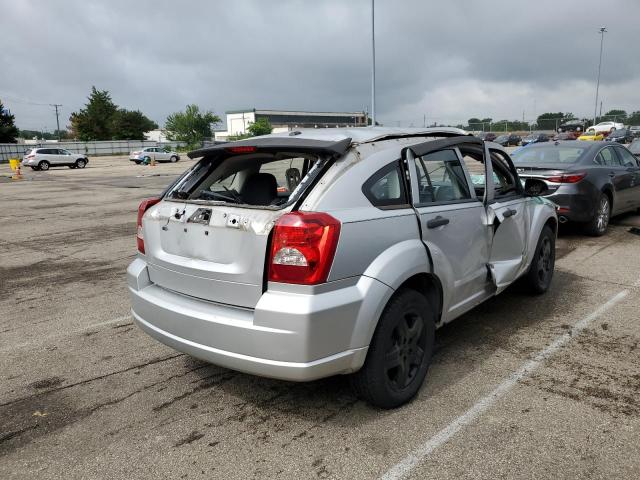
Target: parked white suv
[
  {"x": 606, "y": 127},
  {"x": 310, "y": 254},
  {"x": 43, "y": 158}
]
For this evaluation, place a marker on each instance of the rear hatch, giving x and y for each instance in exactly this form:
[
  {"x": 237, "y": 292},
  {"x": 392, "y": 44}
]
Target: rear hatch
[{"x": 208, "y": 238}]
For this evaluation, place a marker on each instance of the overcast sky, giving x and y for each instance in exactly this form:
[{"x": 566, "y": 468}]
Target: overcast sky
[{"x": 447, "y": 60}]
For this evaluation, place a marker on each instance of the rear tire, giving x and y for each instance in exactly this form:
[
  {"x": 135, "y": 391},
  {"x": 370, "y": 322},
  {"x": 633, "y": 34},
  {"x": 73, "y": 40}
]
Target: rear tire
[
  {"x": 540, "y": 273},
  {"x": 81, "y": 163},
  {"x": 600, "y": 221},
  {"x": 43, "y": 165},
  {"x": 400, "y": 352}
]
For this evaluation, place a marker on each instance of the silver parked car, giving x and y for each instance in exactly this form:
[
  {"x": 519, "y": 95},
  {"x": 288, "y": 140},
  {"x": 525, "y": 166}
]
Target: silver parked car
[
  {"x": 47, "y": 157},
  {"x": 310, "y": 254},
  {"x": 158, "y": 154}
]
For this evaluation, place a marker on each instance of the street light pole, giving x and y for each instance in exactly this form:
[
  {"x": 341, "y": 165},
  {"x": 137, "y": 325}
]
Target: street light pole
[
  {"x": 602, "y": 31},
  {"x": 373, "y": 64}
]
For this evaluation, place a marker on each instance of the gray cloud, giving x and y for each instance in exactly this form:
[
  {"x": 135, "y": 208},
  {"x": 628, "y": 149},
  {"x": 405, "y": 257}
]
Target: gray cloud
[{"x": 446, "y": 60}]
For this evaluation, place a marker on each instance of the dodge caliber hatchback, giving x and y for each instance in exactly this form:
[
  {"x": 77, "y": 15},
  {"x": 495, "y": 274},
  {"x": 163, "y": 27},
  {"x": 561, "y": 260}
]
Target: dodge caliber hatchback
[{"x": 311, "y": 254}]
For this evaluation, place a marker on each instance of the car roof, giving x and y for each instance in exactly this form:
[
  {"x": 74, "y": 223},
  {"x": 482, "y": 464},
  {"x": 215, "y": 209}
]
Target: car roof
[{"x": 332, "y": 139}]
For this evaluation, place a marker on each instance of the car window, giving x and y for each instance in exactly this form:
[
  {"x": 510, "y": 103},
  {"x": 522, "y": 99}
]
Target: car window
[
  {"x": 544, "y": 154},
  {"x": 607, "y": 157},
  {"x": 441, "y": 178},
  {"x": 386, "y": 188},
  {"x": 507, "y": 183},
  {"x": 628, "y": 160}
]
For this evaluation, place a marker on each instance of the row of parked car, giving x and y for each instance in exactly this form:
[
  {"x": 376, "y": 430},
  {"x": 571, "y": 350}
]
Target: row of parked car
[{"x": 320, "y": 253}]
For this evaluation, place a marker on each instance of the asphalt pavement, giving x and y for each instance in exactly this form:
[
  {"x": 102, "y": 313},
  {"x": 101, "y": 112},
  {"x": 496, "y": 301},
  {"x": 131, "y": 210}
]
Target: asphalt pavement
[{"x": 521, "y": 387}]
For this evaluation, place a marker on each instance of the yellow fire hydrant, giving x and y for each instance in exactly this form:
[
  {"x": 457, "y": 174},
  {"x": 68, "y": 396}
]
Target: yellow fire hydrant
[{"x": 14, "y": 163}]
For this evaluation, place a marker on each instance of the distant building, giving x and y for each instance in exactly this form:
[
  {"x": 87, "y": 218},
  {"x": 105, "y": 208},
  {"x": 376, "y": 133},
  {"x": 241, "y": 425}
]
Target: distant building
[
  {"x": 238, "y": 121},
  {"x": 158, "y": 135}
]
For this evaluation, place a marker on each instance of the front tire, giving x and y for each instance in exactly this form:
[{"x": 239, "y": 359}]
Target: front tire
[
  {"x": 400, "y": 352},
  {"x": 81, "y": 163},
  {"x": 600, "y": 221},
  {"x": 173, "y": 159},
  {"x": 540, "y": 273}
]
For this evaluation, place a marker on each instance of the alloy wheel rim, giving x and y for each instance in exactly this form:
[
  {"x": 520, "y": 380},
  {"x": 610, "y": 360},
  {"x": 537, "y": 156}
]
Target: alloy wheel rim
[
  {"x": 603, "y": 214},
  {"x": 545, "y": 260},
  {"x": 406, "y": 350}
]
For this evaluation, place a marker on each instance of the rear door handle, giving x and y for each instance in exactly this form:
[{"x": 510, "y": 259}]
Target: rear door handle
[
  {"x": 509, "y": 212},
  {"x": 437, "y": 222}
]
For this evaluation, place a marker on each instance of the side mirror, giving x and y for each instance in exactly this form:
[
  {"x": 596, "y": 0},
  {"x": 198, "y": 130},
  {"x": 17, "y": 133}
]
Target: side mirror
[{"x": 534, "y": 187}]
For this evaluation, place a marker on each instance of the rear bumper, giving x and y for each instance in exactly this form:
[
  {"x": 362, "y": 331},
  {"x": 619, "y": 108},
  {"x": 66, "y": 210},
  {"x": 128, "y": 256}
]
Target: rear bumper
[
  {"x": 289, "y": 336},
  {"x": 574, "y": 206}
]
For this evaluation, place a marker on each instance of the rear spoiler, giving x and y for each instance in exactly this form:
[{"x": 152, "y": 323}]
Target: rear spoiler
[{"x": 276, "y": 144}]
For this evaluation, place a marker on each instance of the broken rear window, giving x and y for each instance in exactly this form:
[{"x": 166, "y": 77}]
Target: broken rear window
[{"x": 261, "y": 179}]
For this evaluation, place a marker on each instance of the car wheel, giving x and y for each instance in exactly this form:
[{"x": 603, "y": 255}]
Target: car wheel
[
  {"x": 400, "y": 352},
  {"x": 540, "y": 273},
  {"x": 600, "y": 221},
  {"x": 173, "y": 159},
  {"x": 137, "y": 162},
  {"x": 43, "y": 165},
  {"x": 81, "y": 163}
]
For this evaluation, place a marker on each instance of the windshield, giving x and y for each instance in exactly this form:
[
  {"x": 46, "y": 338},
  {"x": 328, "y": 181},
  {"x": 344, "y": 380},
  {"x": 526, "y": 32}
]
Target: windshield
[{"x": 555, "y": 154}]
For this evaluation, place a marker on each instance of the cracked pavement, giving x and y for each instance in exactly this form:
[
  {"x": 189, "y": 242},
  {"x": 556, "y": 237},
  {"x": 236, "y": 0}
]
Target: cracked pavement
[{"x": 85, "y": 394}]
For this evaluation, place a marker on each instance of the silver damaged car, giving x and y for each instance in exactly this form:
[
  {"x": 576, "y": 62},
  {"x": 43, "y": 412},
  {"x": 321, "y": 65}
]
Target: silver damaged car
[{"x": 314, "y": 253}]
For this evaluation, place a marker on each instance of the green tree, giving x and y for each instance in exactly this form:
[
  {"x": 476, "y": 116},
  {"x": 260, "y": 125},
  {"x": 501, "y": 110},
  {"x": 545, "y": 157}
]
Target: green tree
[
  {"x": 130, "y": 125},
  {"x": 95, "y": 120},
  {"x": 615, "y": 115},
  {"x": 190, "y": 126},
  {"x": 550, "y": 120},
  {"x": 8, "y": 129},
  {"x": 260, "y": 127},
  {"x": 634, "y": 118}
]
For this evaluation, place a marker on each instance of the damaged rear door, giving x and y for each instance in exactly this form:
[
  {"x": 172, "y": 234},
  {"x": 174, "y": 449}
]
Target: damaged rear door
[{"x": 508, "y": 217}]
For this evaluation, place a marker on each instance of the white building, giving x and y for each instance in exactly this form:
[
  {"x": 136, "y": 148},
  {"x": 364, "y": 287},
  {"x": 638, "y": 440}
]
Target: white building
[
  {"x": 157, "y": 135},
  {"x": 238, "y": 121}
]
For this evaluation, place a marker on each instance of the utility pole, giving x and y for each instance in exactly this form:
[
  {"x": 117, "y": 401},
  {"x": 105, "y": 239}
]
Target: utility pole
[
  {"x": 602, "y": 31},
  {"x": 424, "y": 120},
  {"x": 56, "y": 105},
  {"x": 373, "y": 64}
]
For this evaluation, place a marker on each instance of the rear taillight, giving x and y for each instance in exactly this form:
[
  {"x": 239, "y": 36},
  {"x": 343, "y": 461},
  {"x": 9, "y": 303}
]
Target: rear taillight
[
  {"x": 302, "y": 248},
  {"x": 567, "y": 178},
  {"x": 144, "y": 206}
]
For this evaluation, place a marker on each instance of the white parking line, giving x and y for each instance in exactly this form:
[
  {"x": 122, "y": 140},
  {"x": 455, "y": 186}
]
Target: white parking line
[
  {"x": 67, "y": 333},
  {"x": 407, "y": 464}
]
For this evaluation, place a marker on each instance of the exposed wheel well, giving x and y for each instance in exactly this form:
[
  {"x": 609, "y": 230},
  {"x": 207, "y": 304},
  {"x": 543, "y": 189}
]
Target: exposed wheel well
[
  {"x": 607, "y": 191},
  {"x": 430, "y": 286},
  {"x": 553, "y": 224}
]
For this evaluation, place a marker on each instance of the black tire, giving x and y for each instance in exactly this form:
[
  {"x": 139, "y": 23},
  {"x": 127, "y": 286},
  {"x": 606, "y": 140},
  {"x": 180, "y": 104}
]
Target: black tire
[
  {"x": 540, "y": 273},
  {"x": 400, "y": 352},
  {"x": 137, "y": 162},
  {"x": 43, "y": 165},
  {"x": 600, "y": 221},
  {"x": 81, "y": 163},
  {"x": 173, "y": 159}
]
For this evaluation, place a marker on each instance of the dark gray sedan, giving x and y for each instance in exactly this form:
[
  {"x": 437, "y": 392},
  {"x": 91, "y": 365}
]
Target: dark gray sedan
[{"x": 590, "y": 182}]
